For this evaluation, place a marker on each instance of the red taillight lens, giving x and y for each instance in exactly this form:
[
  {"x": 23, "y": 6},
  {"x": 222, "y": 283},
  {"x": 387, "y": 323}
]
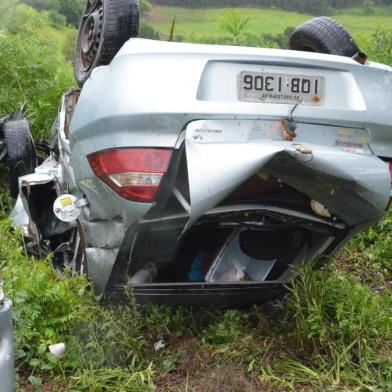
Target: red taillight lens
[{"x": 135, "y": 174}]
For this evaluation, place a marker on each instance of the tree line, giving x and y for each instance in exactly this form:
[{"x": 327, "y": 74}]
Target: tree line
[
  {"x": 309, "y": 6},
  {"x": 70, "y": 10}
]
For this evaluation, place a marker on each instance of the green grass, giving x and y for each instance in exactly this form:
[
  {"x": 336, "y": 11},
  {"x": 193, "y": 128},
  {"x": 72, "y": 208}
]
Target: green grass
[{"x": 201, "y": 22}]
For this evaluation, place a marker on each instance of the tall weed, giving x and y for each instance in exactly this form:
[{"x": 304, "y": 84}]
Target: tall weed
[{"x": 344, "y": 327}]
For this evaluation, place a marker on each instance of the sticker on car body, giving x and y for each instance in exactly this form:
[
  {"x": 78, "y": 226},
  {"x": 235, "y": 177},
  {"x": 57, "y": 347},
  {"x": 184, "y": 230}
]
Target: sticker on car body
[{"x": 65, "y": 208}]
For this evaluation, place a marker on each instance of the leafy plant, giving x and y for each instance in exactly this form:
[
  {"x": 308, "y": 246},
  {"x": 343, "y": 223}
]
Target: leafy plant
[
  {"x": 32, "y": 68},
  {"x": 234, "y": 24},
  {"x": 227, "y": 327},
  {"x": 378, "y": 45},
  {"x": 343, "y": 325},
  {"x": 46, "y": 306},
  {"x": 173, "y": 25}
]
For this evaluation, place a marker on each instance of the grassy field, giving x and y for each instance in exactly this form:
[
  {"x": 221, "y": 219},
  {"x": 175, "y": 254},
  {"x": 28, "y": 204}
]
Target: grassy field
[{"x": 261, "y": 21}]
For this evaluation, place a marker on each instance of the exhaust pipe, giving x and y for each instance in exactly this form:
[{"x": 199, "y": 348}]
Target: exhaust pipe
[{"x": 360, "y": 58}]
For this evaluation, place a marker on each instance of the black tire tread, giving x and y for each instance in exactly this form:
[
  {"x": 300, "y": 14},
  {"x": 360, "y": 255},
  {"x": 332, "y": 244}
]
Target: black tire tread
[
  {"x": 21, "y": 157},
  {"x": 121, "y": 24},
  {"x": 326, "y": 34}
]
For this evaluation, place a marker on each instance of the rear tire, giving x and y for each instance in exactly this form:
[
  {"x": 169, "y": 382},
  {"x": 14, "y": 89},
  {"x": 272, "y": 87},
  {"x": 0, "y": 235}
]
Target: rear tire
[
  {"x": 323, "y": 35},
  {"x": 104, "y": 28},
  {"x": 21, "y": 156}
]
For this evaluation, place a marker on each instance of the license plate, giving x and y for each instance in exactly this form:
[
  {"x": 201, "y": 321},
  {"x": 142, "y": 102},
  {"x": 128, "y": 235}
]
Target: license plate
[{"x": 281, "y": 88}]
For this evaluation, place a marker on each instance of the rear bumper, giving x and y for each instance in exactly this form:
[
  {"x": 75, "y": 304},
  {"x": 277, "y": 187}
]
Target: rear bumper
[{"x": 197, "y": 294}]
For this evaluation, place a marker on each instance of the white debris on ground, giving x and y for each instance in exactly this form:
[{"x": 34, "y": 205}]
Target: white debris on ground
[{"x": 57, "y": 350}]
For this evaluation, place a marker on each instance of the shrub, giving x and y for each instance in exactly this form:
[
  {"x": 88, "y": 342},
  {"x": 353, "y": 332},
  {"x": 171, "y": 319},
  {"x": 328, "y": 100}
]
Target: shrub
[
  {"x": 147, "y": 31},
  {"x": 32, "y": 69},
  {"x": 342, "y": 322},
  {"x": 46, "y": 306},
  {"x": 378, "y": 46}
]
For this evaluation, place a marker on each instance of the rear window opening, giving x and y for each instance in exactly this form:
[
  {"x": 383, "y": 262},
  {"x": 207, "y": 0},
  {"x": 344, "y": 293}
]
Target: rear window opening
[
  {"x": 238, "y": 254},
  {"x": 219, "y": 254}
]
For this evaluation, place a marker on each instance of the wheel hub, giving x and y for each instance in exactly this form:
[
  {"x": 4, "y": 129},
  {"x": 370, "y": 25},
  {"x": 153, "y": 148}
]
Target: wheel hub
[{"x": 90, "y": 33}]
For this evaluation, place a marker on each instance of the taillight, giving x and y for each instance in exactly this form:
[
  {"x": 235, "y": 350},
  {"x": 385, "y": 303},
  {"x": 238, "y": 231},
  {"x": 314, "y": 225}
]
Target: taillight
[{"x": 135, "y": 174}]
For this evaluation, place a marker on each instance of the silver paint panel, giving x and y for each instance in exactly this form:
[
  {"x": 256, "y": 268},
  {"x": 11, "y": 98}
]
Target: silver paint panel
[{"x": 7, "y": 371}]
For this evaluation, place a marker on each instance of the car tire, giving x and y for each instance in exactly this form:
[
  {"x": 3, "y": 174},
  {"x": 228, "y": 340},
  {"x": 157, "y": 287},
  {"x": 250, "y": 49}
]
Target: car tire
[
  {"x": 104, "y": 28},
  {"x": 323, "y": 35},
  {"x": 21, "y": 155}
]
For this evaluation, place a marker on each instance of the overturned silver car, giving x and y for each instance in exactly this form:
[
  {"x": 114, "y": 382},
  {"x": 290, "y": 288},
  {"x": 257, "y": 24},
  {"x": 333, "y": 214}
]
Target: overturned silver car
[{"x": 203, "y": 174}]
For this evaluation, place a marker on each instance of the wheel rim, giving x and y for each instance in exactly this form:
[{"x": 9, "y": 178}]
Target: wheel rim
[{"x": 90, "y": 34}]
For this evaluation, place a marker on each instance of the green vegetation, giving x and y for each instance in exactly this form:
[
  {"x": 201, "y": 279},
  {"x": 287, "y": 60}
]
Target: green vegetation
[
  {"x": 333, "y": 333},
  {"x": 234, "y": 25},
  {"x": 378, "y": 45},
  {"x": 32, "y": 68},
  {"x": 200, "y": 23},
  {"x": 315, "y": 7},
  {"x": 191, "y": 23},
  {"x": 69, "y": 10}
]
